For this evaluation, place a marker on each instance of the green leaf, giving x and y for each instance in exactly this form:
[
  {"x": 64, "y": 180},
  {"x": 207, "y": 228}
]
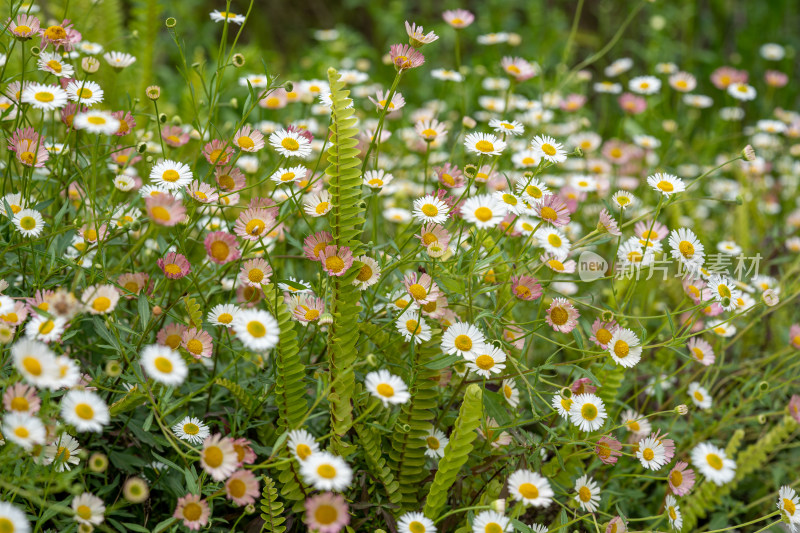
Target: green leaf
[{"x": 144, "y": 310}]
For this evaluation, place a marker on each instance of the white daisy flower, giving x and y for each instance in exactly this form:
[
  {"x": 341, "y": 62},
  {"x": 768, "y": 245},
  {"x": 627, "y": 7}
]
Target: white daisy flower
[
  {"x": 99, "y": 122},
  {"x": 44, "y": 97},
  {"x": 435, "y": 443},
  {"x": 387, "y": 387},
  {"x": 624, "y": 347},
  {"x": 29, "y": 222},
  {"x": 63, "y": 452},
  {"x": 713, "y": 463},
  {"x": 530, "y": 488},
  {"x": 623, "y": 200},
  {"x": 587, "y": 411},
  {"x": 222, "y": 315},
  {"x": 532, "y": 190},
  {"x": 171, "y": 175},
  {"x": 645, "y": 85},
  {"x": 788, "y": 503},
  {"x": 490, "y": 360},
  {"x": 484, "y": 144},
  {"x": 85, "y": 410},
  {"x": 302, "y": 444},
  {"x": 36, "y": 363},
  {"x": 412, "y": 326},
  {"x": 89, "y": 509},
  {"x": 588, "y": 493},
  {"x": 325, "y": 471},
  {"x": 430, "y": 209},
  {"x": 724, "y": 291},
  {"x": 651, "y": 453},
  {"x": 290, "y": 144},
  {"x": 415, "y": 523},
  {"x": 636, "y": 423},
  {"x": 549, "y": 149},
  {"x": 191, "y": 429},
  {"x": 163, "y": 364},
  {"x": 490, "y": 522},
  {"x": 673, "y": 512},
  {"x": 700, "y": 396},
  {"x": 666, "y": 184},
  {"x": 510, "y": 392},
  {"x": 507, "y": 127},
  {"x": 742, "y": 91},
  {"x": 45, "y": 329},
  {"x": 484, "y": 211},
  {"x": 686, "y": 247},
  {"x": 512, "y": 202},
  {"x": 14, "y": 518},
  {"x": 24, "y": 430},
  {"x": 562, "y": 405},
  {"x": 463, "y": 339},
  {"x": 258, "y": 330}
]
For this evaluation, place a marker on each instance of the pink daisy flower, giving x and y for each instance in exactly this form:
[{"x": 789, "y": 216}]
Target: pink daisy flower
[
  {"x": 558, "y": 263},
  {"x": 552, "y": 210},
  {"x": 244, "y": 451},
  {"x": 253, "y": 224},
  {"x": 174, "y": 136},
  {"x": 193, "y": 511},
  {"x": 242, "y": 488},
  {"x": 776, "y": 78},
  {"x": 221, "y": 247},
  {"x": 422, "y": 288},
  {"x": 518, "y": 68},
  {"x": 60, "y": 35},
  {"x": 174, "y": 265},
  {"x": 202, "y": 192},
  {"x": 405, "y": 56},
  {"x": 24, "y": 27},
  {"x": 562, "y": 315},
  {"x": 249, "y": 296},
  {"x": 794, "y": 336},
  {"x": 336, "y": 260},
  {"x": 248, "y": 139},
  {"x": 669, "y": 444},
  {"x": 582, "y": 386},
  {"x": 230, "y": 179},
  {"x": 126, "y": 122},
  {"x": 617, "y": 525},
  {"x": 255, "y": 272},
  {"x": 171, "y": 335},
  {"x": 217, "y": 153},
  {"x": 133, "y": 284},
  {"x": 431, "y": 233},
  {"x": 305, "y": 308},
  {"x": 165, "y": 209},
  {"x": 602, "y": 332},
  {"x": 31, "y": 154},
  {"x": 681, "y": 479},
  {"x": 68, "y": 112},
  {"x": 645, "y": 229},
  {"x": 16, "y": 316},
  {"x": 326, "y": 513},
  {"x": 725, "y": 76},
  {"x": 525, "y": 288},
  {"x": 608, "y": 449},
  {"x": 125, "y": 157},
  {"x": 315, "y": 244},
  {"x": 573, "y": 102},
  {"x": 794, "y": 407},
  {"x": 701, "y": 351},
  {"x": 607, "y": 224},
  {"x": 197, "y": 342},
  {"x": 21, "y": 398},
  {"x": 632, "y": 104},
  {"x": 449, "y": 176},
  {"x": 458, "y": 18},
  {"x": 93, "y": 234}
]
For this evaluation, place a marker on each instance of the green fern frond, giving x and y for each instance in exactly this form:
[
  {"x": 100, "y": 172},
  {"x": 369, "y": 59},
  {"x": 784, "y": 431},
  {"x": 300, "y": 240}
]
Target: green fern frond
[
  {"x": 132, "y": 399},
  {"x": 370, "y": 443},
  {"x": 289, "y": 369},
  {"x": 271, "y": 508},
  {"x": 457, "y": 450},
  {"x": 194, "y": 311},
  {"x": 245, "y": 399},
  {"x": 610, "y": 379},
  {"x": 414, "y": 422},
  {"x": 346, "y": 221},
  {"x": 292, "y": 486}
]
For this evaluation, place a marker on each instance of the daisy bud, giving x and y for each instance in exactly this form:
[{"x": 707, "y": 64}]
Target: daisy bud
[
  {"x": 113, "y": 368},
  {"x": 235, "y": 103},
  {"x": 90, "y": 65},
  {"x": 153, "y": 92},
  {"x": 794, "y": 150},
  {"x": 468, "y": 122},
  {"x": 726, "y": 302},
  {"x": 770, "y": 298},
  {"x": 670, "y": 126},
  {"x": 607, "y": 316},
  {"x": 682, "y": 409},
  {"x": 403, "y": 428},
  {"x": 85, "y": 528},
  {"x": 156, "y": 310},
  {"x": 372, "y": 359},
  {"x": 249, "y": 508},
  {"x": 141, "y": 148},
  {"x": 748, "y": 154},
  {"x": 135, "y": 490},
  {"x": 435, "y": 250},
  {"x": 499, "y": 506},
  {"x": 470, "y": 171},
  {"x": 325, "y": 319},
  {"x": 238, "y": 60},
  {"x": 762, "y": 418},
  {"x": 171, "y": 22},
  {"x": 162, "y": 118},
  {"x": 35, "y": 50},
  {"x": 514, "y": 39},
  {"x": 98, "y": 462},
  {"x": 566, "y": 392},
  {"x": 578, "y": 152}
]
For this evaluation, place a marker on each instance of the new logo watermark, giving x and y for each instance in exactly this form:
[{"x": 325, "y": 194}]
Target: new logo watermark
[{"x": 591, "y": 266}]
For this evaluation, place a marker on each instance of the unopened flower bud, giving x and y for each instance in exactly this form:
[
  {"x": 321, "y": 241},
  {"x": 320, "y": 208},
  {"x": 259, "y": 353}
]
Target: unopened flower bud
[
  {"x": 748, "y": 154},
  {"x": 468, "y": 122},
  {"x": 499, "y": 506},
  {"x": 372, "y": 359},
  {"x": 325, "y": 319},
  {"x": 162, "y": 118},
  {"x": 157, "y": 310},
  {"x": 249, "y": 508},
  {"x": 234, "y": 103},
  {"x": 90, "y": 65},
  {"x": 98, "y": 462},
  {"x": 113, "y": 368},
  {"x": 238, "y": 60},
  {"x": 670, "y": 126},
  {"x": 171, "y": 22},
  {"x": 153, "y": 92},
  {"x": 470, "y": 171},
  {"x": 288, "y": 87},
  {"x": 682, "y": 409},
  {"x": 770, "y": 298}
]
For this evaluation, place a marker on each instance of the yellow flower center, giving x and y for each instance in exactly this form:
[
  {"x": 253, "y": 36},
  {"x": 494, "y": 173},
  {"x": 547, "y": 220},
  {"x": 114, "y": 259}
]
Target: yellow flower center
[
  {"x": 589, "y": 412},
  {"x": 194, "y": 346},
  {"x": 417, "y": 291},
  {"x": 549, "y": 149},
  {"x": 714, "y": 461},
  {"x": 522, "y": 291},
  {"x": 55, "y": 33},
  {"x": 101, "y": 304},
  {"x": 172, "y": 269},
  {"x": 245, "y": 142},
  {"x": 173, "y": 341},
  {"x": 665, "y": 186},
  {"x": 676, "y": 478},
  {"x": 84, "y": 511},
  {"x": 84, "y": 411},
  {"x": 686, "y": 248},
  {"x": 484, "y": 146},
  {"x": 21, "y": 432},
  {"x": 255, "y": 275},
  {"x": 219, "y": 250},
  {"x": 789, "y": 506},
  {"x": 364, "y": 274},
  {"x": 27, "y": 223},
  {"x": 326, "y": 514},
  {"x": 648, "y": 454},
  {"x": 621, "y": 349},
  {"x": 385, "y": 390},
  {"x": 484, "y": 362},
  {"x": 672, "y": 514},
  {"x": 326, "y": 471},
  {"x": 548, "y": 213},
  {"x": 529, "y": 491},
  {"x": 255, "y": 227},
  {"x": 322, "y": 208},
  {"x": 225, "y": 318},
  {"x": 161, "y": 213},
  {"x": 603, "y": 335},
  {"x": 290, "y": 144},
  {"x": 493, "y": 527},
  {"x": 429, "y": 210},
  {"x": 192, "y": 511},
  {"x": 96, "y": 120},
  {"x": 484, "y": 214},
  {"x": 256, "y": 329},
  {"x": 463, "y": 343},
  {"x": 213, "y": 456},
  {"x": 334, "y": 263},
  {"x": 237, "y": 488},
  {"x": 585, "y": 494},
  {"x": 20, "y": 403},
  {"x": 191, "y": 429},
  {"x": 303, "y": 451},
  {"x": 559, "y": 316},
  {"x": 723, "y": 290},
  {"x": 416, "y": 527}
]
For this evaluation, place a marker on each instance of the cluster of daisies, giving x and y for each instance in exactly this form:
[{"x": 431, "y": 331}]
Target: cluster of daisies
[{"x": 186, "y": 240}]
